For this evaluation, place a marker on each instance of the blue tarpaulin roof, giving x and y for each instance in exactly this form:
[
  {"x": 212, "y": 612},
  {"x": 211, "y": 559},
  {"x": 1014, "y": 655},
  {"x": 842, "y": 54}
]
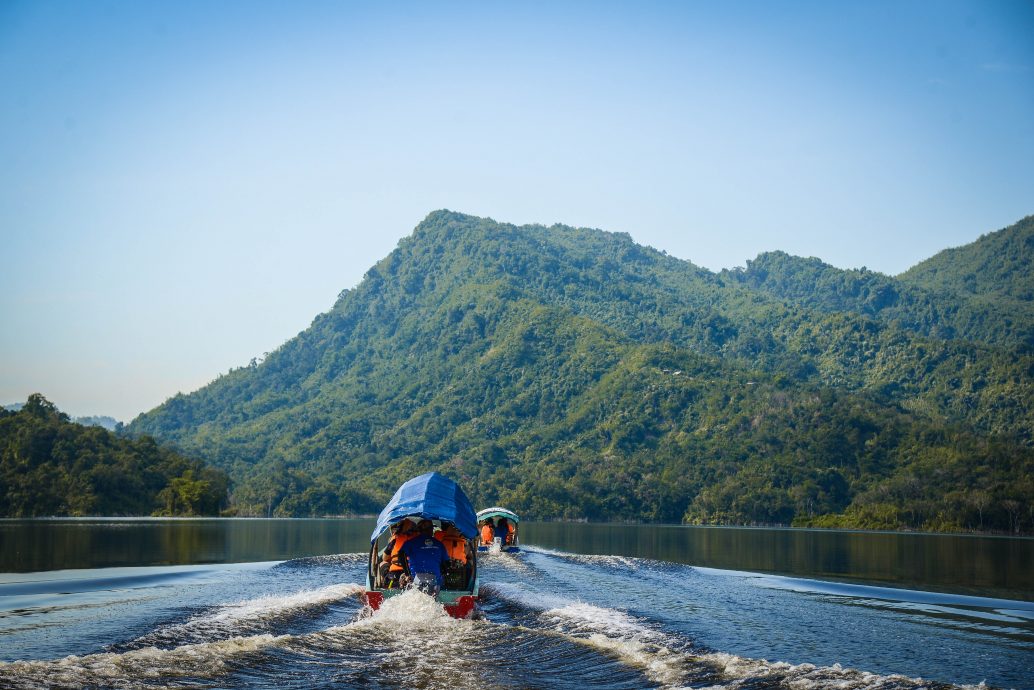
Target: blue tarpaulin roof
[{"x": 432, "y": 496}]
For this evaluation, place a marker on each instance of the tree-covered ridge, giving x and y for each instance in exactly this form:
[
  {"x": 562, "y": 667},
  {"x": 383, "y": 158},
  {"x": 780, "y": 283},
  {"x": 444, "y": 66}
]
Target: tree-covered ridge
[
  {"x": 572, "y": 373},
  {"x": 982, "y": 292},
  {"x": 50, "y": 466},
  {"x": 999, "y": 265}
]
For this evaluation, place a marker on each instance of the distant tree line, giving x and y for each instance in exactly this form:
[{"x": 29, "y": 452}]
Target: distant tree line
[{"x": 50, "y": 466}]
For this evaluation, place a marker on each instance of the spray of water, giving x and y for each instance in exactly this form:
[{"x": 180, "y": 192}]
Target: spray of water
[
  {"x": 249, "y": 615},
  {"x": 137, "y": 668}
]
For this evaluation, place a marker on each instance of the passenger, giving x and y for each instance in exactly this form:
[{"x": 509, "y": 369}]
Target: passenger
[
  {"x": 385, "y": 562},
  {"x": 396, "y": 569},
  {"x": 424, "y": 553},
  {"x": 453, "y": 541},
  {"x": 487, "y": 533},
  {"x": 502, "y": 530},
  {"x": 460, "y": 554},
  {"x": 511, "y": 537}
]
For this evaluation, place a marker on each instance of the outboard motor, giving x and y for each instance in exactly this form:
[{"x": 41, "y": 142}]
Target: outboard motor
[{"x": 426, "y": 583}]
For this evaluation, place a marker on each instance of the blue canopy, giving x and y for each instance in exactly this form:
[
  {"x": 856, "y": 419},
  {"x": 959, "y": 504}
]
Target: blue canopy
[{"x": 432, "y": 496}]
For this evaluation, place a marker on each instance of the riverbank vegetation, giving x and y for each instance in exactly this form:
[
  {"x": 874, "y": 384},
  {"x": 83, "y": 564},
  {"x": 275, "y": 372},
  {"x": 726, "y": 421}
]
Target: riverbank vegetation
[{"x": 50, "y": 466}]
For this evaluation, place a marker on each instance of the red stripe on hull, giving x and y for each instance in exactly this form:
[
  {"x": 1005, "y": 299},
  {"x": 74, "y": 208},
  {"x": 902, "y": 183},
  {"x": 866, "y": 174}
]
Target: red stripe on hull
[{"x": 462, "y": 608}]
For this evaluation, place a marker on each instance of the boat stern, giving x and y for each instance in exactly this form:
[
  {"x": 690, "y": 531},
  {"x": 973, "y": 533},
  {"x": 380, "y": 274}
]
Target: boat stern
[{"x": 458, "y": 604}]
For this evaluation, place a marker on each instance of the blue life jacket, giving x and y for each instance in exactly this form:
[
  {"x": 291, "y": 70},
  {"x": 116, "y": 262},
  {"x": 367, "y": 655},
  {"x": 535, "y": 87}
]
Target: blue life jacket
[{"x": 426, "y": 555}]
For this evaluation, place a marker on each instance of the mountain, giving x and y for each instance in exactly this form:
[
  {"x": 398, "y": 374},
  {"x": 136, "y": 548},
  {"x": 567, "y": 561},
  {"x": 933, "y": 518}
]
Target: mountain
[
  {"x": 998, "y": 265},
  {"x": 982, "y": 292},
  {"x": 109, "y": 423},
  {"x": 569, "y": 372}
]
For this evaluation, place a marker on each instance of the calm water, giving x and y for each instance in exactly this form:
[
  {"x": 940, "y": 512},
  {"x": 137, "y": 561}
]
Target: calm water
[{"x": 274, "y": 603}]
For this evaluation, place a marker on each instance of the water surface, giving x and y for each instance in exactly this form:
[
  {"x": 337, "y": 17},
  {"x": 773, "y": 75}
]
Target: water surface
[{"x": 553, "y": 617}]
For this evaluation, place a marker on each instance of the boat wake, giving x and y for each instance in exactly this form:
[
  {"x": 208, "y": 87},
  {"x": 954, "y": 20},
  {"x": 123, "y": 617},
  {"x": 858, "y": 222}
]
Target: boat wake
[
  {"x": 250, "y": 615},
  {"x": 139, "y": 668},
  {"x": 551, "y": 620}
]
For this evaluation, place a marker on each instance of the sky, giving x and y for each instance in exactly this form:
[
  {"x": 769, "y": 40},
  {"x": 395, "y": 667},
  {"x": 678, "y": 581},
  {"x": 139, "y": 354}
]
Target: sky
[{"x": 185, "y": 185}]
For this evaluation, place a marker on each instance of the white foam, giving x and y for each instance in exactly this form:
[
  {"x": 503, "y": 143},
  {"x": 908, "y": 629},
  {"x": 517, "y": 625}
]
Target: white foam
[
  {"x": 411, "y": 608},
  {"x": 806, "y": 676},
  {"x": 231, "y": 618},
  {"x": 619, "y": 561},
  {"x": 609, "y": 630},
  {"x": 276, "y": 604},
  {"x": 204, "y": 660},
  {"x": 622, "y": 635},
  {"x": 660, "y": 658},
  {"x": 531, "y": 599}
]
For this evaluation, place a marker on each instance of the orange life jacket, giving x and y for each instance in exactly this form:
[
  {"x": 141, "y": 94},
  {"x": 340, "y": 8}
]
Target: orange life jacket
[
  {"x": 396, "y": 564},
  {"x": 487, "y": 534},
  {"x": 454, "y": 545}
]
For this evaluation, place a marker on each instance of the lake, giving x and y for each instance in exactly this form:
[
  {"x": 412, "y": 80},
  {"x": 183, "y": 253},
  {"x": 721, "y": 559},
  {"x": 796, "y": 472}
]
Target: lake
[{"x": 274, "y": 603}]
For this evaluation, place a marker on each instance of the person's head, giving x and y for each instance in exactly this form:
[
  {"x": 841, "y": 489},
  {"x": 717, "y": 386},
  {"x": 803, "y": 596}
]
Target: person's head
[
  {"x": 425, "y": 527},
  {"x": 405, "y": 525}
]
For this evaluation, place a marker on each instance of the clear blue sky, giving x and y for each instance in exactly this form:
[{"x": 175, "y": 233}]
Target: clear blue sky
[{"x": 185, "y": 185}]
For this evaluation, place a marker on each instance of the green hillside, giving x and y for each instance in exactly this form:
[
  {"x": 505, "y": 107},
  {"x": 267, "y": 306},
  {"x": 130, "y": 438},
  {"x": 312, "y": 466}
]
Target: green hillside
[
  {"x": 569, "y": 372},
  {"x": 999, "y": 264},
  {"x": 982, "y": 292},
  {"x": 51, "y": 466}
]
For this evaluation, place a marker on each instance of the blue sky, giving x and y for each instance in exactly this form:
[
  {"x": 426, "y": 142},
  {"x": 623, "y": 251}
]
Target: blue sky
[{"x": 185, "y": 185}]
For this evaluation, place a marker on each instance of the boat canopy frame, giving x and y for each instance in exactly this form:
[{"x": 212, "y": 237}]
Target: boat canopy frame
[{"x": 497, "y": 512}]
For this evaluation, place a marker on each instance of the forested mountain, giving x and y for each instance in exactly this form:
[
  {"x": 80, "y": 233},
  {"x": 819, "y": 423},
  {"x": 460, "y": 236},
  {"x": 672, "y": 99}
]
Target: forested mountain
[
  {"x": 982, "y": 292},
  {"x": 51, "y": 466},
  {"x": 568, "y": 372},
  {"x": 999, "y": 264}
]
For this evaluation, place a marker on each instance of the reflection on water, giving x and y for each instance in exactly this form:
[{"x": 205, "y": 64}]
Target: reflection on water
[
  {"x": 986, "y": 566},
  {"x": 36, "y": 545}
]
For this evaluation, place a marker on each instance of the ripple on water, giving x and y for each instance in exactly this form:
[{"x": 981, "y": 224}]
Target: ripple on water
[{"x": 540, "y": 631}]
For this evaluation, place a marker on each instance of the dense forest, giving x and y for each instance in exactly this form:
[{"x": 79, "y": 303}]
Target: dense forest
[
  {"x": 50, "y": 466},
  {"x": 981, "y": 292},
  {"x": 571, "y": 373}
]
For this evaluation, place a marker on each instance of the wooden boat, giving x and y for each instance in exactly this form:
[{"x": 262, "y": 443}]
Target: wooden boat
[
  {"x": 437, "y": 498},
  {"x": 506, "y": 543}
]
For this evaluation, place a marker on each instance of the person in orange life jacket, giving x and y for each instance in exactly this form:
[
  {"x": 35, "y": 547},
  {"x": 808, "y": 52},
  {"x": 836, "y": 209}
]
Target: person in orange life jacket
[
  {"x": 391, "y": 568},
  {"x": 454, "y": 542},
  {"x": 487, "y": 533},
  {"x": 424, "y": 553},
  {"x": 502, "y": 530}
]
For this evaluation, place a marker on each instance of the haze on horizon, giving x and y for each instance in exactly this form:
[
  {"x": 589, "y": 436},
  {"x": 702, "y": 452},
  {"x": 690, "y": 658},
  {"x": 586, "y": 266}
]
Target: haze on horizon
[{"x": 185, "y": 186}]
